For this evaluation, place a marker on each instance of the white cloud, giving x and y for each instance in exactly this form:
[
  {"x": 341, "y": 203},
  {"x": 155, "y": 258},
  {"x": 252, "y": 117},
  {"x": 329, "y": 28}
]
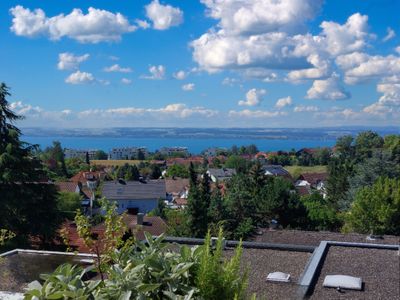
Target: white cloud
[
  {"x": 230, "y": 81},
  {"x": 338, "y": 113},
  {"x": 68, "y": 61},
  {"x": 143, "y": 24},
  {"x": 328, "y": 89},
  {"x": 373, "y": 67},
  {"x": 259, "y": 16},
  {"x": 163, "y": 16},
  {"x": 156, "y": 73},
  {"x": 346, "y": 38},
  {"x": 282, "y": 102},
  {"x": 255, "y": 113},
  {"x": 180, "y": 75},
  {"x": 80, "y": 78},
  {"x": 390, "y": 34},
  {"x": 397, "y": 49},
  {"x": 253, "y": 97},
  {"x": 321, "y": 69},
  {"x": 126, "y": 81},
  {"x": 188, "y": 87},
  {"x": 260, "y": 73},
  {"x": 117, "y": 68},
  {"x": 96, "y": 26},
  {"x": 302, "y": 108}
]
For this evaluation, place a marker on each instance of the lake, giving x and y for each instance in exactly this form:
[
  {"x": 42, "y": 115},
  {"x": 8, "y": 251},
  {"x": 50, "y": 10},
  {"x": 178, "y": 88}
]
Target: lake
[{"x": 195, "y": 146}]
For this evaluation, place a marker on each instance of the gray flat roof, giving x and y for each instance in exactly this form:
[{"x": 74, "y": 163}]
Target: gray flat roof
[{"x": 134, "y": 190}]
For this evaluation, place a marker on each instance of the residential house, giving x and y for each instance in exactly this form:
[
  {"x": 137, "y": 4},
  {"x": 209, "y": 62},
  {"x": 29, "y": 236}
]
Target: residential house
[
  {"x": 222, "y": 174},
  {"x": 313, "y": 181},
  {"x": 134, "y": 196},
  {"x": 276, "y": 170},
  {"x": 78, "y": 188}
]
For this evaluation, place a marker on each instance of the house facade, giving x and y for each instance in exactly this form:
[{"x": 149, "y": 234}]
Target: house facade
[{"x": 135, "y": 196}]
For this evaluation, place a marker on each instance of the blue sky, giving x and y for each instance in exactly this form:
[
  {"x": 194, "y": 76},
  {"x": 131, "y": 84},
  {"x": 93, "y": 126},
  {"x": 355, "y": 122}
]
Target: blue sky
[{"x": 209, "y": 63}]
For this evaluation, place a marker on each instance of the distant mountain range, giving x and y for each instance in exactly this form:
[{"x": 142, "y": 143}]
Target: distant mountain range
[{"x": 324, "y": 133}]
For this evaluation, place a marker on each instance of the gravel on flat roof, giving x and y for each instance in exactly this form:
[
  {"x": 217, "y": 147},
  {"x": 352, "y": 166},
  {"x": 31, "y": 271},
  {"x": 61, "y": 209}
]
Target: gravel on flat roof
[
  {"x": 260, "y": 262},
  {"x": 379, "y": 270},
  {"x": 313, "y": 238}
]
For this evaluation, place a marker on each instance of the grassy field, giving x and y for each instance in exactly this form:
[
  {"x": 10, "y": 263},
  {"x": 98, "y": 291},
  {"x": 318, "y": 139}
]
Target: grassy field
[
  {"x": 297, "y": 170},
  {"x": 110, "y": 163}
]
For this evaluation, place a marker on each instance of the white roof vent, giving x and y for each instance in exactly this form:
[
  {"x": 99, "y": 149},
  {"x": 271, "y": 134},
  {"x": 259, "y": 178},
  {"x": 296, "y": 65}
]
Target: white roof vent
[
  {"x": 343, "y": 281},
  {"x": 278, "y": 277}
]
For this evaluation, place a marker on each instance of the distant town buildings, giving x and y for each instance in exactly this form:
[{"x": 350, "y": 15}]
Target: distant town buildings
[
  {"x": 168, "y": 151},
  {"x": 79, "y": 153},
  {"x": 127, "y": 153}
]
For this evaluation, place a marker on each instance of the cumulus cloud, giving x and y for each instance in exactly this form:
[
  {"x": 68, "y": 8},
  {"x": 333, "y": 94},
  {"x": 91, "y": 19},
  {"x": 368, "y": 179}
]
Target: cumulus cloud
[
  {"x": 163, "y": 16},
  {"x": 309, "y": 108},
  {"x": 255, "y": 113},
  {"x": 259, "y": 16},
  {"x": 80, "y": 78},
  {"x": 188, "y": 87},
  {"x": 126, "y": 81},
  {"x": 321, "y": 69},
  {"x": 180, "y": 75},
  {"x": 328, "y": 89},
  {"x": 230, "y": 81},
  {"x": 253, "y": 97},
  {"x": 69, "y": 61},
  {"x": 348, "y": 37},
  {"x": 96, "y": 26},
  {"x": 156, "y": 73},
  {"x": 390, "y": 34},
  {"x": 282, "y": 102},
  {"x": 117, "y": 68},
  {"x": 370, "y": 67}
]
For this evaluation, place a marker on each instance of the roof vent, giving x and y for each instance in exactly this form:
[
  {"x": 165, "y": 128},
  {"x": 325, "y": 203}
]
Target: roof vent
[
  {"x": 278, "y": 277},
  {"x": 343, "y": 281}
]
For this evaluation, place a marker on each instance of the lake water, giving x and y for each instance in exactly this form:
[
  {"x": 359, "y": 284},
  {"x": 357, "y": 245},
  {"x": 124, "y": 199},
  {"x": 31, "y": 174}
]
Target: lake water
[{"x": 195, "y": 146}]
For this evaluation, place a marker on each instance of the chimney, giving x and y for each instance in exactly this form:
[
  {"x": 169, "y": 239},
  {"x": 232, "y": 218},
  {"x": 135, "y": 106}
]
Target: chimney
[{"x": 140, "y": 217}]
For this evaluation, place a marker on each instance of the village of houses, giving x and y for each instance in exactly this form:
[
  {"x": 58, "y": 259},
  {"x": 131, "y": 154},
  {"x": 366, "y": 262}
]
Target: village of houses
[{"x": 138, "y": 198}]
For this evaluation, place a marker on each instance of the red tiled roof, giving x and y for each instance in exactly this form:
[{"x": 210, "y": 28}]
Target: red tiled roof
[
  {"x": 153, "y": 225},
  {"x": 181, "y": 201},
  {"x": 66, "y": 186},
  {"x": 85, "y": 176}
]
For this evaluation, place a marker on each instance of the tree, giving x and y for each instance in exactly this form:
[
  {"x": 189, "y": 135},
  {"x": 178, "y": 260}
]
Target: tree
[
  {"x": 177, "y": 170},
  {"x": 87, "y": 159},
  {"x": 376, "y": 208},
  {"x": 68, "y": 203},
  {"x": 155, "y": 171},
  {"x": 344, "y": 146},
  {"x": 53, "y": 157},
  {"x": 338, "y": 182},
  {"x": 140, "y": 155},
  {"x": 29, "y": 206},
  {"x": 100, "y": 155},
  {"x": 366, "y": 142},
  {"x": 236, "y": 162}
]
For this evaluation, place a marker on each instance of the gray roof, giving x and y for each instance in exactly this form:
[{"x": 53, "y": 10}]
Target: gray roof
[
  {"x": 276, "y": 170},
  {"x": 222, "y": 173},
  {"x": 134, "y": 190}
]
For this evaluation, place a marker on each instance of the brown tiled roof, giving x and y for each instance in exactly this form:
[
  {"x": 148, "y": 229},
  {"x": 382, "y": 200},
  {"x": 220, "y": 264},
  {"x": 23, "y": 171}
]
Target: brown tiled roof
[
  {"x": 66, "y": 186},
  {"x": 181, "y": 201},
  {"x": 153, "y": 225},
  {"x": 314, "y": 178},
  {"x": 176, "y": 185},
  {"x": 84, "y": 176}
]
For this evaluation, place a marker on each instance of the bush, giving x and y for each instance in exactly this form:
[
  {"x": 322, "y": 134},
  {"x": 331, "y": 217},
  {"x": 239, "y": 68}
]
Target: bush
[{"x": 151, "y": 270}]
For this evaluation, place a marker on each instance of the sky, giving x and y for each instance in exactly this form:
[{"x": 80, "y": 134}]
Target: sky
[{"x": 207, "y": 63}]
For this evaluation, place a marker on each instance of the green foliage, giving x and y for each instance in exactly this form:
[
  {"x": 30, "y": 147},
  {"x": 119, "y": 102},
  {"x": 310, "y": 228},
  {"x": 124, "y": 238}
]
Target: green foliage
[
  {"x": 76, "y": 165},
  {"x": 127, "y": 172},
  {"x": 376, "y": 208},
  {"x": 321, "y": 214},
  {"x": 68, "y": 202},
  {"x": 150, "y": 270},
  {"x": 177, "y": 222},
  {"x": 218, "y": 278},
  {"x": 5, "y": 235},
  {"x": 100, "y": 155},
  {"x": 53, "y": 158},
  {"x": 366, "y": 142},
  {"x": 177, "y": 170},
  {"x": 238, "y": 163}
]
